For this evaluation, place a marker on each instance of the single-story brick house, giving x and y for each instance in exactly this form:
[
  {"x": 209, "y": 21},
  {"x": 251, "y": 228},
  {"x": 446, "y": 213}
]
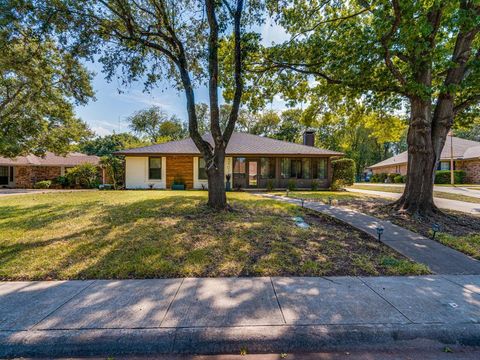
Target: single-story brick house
[
  {"x": 466, "y": 156},
  {"x": 25, "y": 171},
  {"x": 253, "y": 161}
]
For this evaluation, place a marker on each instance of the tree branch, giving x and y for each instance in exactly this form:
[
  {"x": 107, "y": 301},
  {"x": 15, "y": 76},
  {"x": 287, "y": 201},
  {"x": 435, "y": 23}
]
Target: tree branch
[
  {"x": 213, "y": 73},
  {"x": 458, "y": 108},
  {"x": 385, "y": 44},
  {"x": 237, "y": 97}
]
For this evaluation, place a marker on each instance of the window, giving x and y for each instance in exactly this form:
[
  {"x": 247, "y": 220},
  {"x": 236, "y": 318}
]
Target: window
[
  {"x": 202, "y": 170},
  {"x": 295, "y": 168},
  {"x": 11, "y": 173},
  {"x": 285, "y": 168},
  {"x": 445, "y": 165},
  {"x": 321, "y": 168},
  {"x": 239, "y": 165},
  {"x": 267, "y": 168},
  {"x": 155, "y": 168},
  {"x": 4, "y": 171},
  {"x": 306, "y": 168}
]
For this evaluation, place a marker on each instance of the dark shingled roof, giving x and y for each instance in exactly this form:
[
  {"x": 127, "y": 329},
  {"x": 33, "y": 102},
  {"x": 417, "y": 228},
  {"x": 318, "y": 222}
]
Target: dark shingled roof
[
  {"x": 462, "y": 149},
  {"x": 50, "y": 159},
  {"x": 239, "y": 144}
]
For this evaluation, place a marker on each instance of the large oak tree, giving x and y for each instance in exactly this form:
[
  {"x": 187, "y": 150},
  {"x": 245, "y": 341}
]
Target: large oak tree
[
  {"x": 424, "y": 52},
  {"x": 175, "y": 40}
]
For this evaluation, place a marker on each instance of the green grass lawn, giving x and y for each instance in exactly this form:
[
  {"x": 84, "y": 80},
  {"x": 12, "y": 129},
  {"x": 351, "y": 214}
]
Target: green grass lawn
[
  {"x": 398, "y": 189},
  {"x": 147, "y": 234}
]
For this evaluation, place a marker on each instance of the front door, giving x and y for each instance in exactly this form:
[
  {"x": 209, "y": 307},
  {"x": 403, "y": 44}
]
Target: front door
[
  {"x": 3, "y": 175},
  {"x": 252, "y": 174}
]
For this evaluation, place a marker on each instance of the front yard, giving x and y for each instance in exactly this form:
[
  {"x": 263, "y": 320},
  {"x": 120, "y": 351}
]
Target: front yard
[
  {"x": 458, "y": 230},
  {"x": 148, "y": 234}
]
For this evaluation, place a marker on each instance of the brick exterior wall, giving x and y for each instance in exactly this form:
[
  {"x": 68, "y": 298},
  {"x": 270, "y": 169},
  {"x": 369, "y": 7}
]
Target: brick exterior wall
[
  {"x": 472, "y": 169},
  {"x": 26, "y": 176},
  {"x": 180, "y": 167},
  {"x": 392, "y": 169}
]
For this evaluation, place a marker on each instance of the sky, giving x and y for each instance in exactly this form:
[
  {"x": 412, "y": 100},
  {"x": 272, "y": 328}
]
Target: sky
[{"x": 109, "y": 112}]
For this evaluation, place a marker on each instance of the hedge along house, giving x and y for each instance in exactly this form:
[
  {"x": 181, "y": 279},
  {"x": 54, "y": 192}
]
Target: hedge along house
[
  {"x": 25, "y": 171},
  {"x": 466, "y": 156},
  {"x": 253, "y": 161}
]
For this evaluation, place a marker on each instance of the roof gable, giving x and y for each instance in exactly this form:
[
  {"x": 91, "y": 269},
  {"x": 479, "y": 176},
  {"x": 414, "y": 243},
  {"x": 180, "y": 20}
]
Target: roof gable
[{"x": 462, "y": 149}]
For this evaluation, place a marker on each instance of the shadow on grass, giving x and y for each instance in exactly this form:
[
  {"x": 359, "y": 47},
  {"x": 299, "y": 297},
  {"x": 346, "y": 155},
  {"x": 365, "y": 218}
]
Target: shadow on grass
[{"x": 177, "y": 236}]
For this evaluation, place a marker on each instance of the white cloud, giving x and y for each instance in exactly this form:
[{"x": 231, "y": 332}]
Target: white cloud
[
  {"x": 140, "y": 97},
  {"x": 273, "y": 33},
  {"x": 101, "y": 131}
]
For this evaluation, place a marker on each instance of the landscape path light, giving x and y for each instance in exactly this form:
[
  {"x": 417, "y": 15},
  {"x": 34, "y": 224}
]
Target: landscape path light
[
  {"x": 380, "y": 230},
  {"x": 435, "y": 228}
]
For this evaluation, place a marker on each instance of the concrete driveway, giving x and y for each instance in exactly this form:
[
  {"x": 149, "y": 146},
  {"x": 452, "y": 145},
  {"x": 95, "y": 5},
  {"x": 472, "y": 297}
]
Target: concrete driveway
[{"x": 15, "y": 192}]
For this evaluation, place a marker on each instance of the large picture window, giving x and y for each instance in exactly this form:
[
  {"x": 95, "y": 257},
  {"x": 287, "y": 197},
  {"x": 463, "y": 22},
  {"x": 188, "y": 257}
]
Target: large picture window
[
  {"x": 285, "y": 168},
  {"x": 155, "y": 168},
  {"x": 306, "y": 168},
  {"x": 321, "y": 169},
  {"x": 239, "y": 165},
  {"x": 267, "y": 168},
  {"x": 202, "y": 169},
  {"x": 296, "y": 168}
]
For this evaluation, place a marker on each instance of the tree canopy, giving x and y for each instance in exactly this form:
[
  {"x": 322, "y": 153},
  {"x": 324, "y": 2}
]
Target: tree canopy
[
  {"x": 39, "y": 85},
  {"x": 387, "y": 54},
  {"x": 155, "y": 124}
]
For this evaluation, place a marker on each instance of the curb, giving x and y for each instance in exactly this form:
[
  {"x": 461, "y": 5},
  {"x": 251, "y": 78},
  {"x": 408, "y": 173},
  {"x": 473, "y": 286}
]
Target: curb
[{"x": 224, "y": 340}]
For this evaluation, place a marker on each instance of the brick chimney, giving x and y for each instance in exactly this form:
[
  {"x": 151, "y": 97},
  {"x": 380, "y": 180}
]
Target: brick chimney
[{"x": 309, "y": 138}]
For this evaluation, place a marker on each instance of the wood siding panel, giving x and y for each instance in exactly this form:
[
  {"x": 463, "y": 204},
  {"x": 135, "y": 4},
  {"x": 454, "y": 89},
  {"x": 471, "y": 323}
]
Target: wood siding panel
[{"x": 180, "y": 167}]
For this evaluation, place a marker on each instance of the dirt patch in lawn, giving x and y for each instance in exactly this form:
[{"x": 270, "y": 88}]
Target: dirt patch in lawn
[{"x": 158, "y": 234}]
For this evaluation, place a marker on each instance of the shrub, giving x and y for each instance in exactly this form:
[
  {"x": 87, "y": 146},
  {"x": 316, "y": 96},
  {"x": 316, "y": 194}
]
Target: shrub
[
  {"x": 44, "y": 184},
  {"x": 270, "y": 184},
  {"x": 391, "y": 177},
  {"x": 62, "y": 181},
  {"x": 443, "y": 176},
  {"x": 338, "y": 185},
  {"x": 178, "y": 180},
  {"x": 85, "y": 175},
  {"x": 343, "y": 173},
  {"x": 292, "y": 185},
  {"x": 115, "y": 169},
  {"x": 314, "y": 185},
  {"x": 399, "y": 179},
  {"x": 378, "y": 178}
]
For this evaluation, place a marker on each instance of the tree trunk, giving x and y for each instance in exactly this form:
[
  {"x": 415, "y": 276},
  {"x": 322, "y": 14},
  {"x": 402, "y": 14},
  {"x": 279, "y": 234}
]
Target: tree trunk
[
  {"x": 217, "y": 198},
  {"x": 417, "y": 198}
]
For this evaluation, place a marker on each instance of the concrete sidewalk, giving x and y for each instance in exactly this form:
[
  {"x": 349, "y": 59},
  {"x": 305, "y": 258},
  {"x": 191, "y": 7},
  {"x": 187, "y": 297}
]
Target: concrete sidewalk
[
  {"x": 455, "y": 205},
  {"x": 224, "y": 315},
  {"x": 439, "y": 258}
]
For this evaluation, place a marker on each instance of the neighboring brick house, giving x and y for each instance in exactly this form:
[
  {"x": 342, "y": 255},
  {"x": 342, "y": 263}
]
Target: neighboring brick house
[
  {"x": 25, "y": 171},
  {"x": 466, "y": 156},
  {"x": 252, "y": 161}
]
